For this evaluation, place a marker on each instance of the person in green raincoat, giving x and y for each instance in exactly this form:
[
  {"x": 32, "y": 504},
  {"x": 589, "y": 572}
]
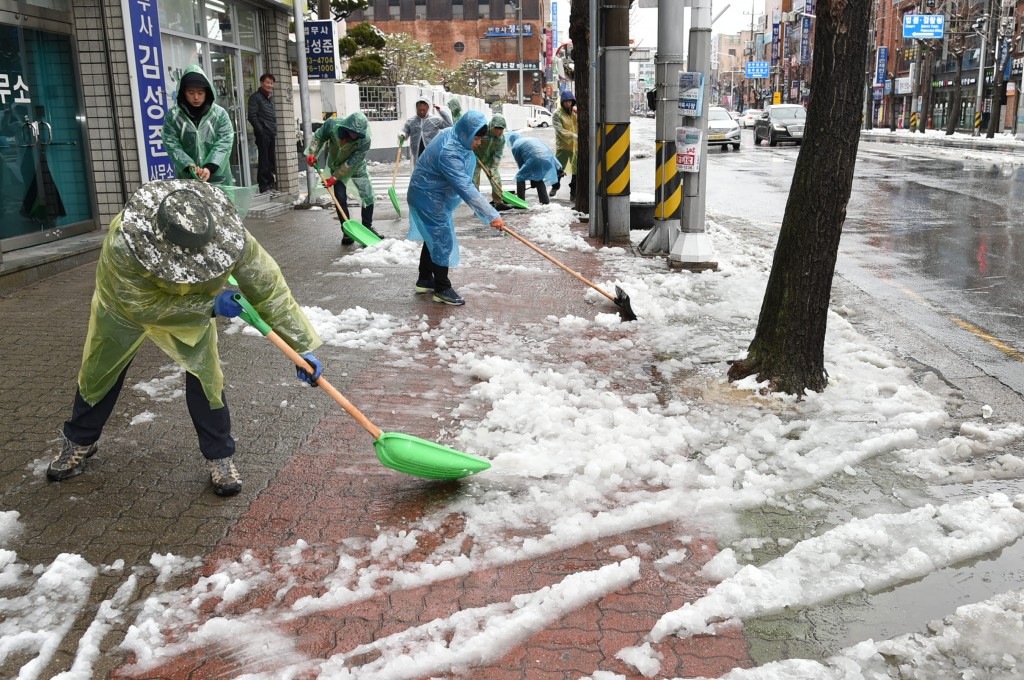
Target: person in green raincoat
[
  {"x": 456, "y": 108},
  {"x": 490, "y": 152},
  {"x": 347, "y": 140},
  {"x": 566, "y": 138},
  {"x": 197, "y": 131},
  {"x": 161, "y": 275}
]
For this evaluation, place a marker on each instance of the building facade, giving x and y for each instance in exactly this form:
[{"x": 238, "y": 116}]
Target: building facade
[
  {"x": 83, "y": 88},
  {"x": 504, "y": 33}
]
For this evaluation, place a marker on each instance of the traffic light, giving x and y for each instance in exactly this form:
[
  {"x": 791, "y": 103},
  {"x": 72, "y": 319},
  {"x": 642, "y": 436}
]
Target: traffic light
[{"x": 652, "y": 101}]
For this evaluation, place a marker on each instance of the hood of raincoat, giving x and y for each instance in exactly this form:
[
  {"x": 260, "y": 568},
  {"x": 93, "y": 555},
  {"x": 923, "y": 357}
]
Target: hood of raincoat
[
  {"x": 183, "y": 231},
  {"x": 455, "y": 107},
  {"x": 355, "y": 122},
  {"x": 568, "y": 96},
  {"x": 426, "y": 101},
  {"x": 466, "y": 127},
  {"x": 497, "y": 121},
  {"x": 512, "y": 138},
  {"x": 194, "y": 76}
]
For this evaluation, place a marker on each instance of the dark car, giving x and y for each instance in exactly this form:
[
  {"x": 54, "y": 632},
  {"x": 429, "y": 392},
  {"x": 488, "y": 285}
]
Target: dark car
[{"x": 780, "y": 123}]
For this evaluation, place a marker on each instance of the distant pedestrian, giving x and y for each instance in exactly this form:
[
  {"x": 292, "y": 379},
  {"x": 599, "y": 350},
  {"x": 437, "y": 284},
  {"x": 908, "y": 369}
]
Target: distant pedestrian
[
  {"x": 456, "y": 109},
  {"x": 161, "y": 275},
  {"x": 566, "y": 141},
  {"x": 347, "y": 140},
  {"x": 422, "y": 128},
  {"x": 537, "y": 165},
  {"x": 439, "y": 183},
  {"x": 490, "y": 152},
  {"x": 197, "y": 131},
  {"x": 263, "y": 119}
]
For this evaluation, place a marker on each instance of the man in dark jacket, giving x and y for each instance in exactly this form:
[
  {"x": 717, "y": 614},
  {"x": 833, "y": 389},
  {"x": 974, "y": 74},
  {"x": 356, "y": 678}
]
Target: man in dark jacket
[{"x": 263, "y": 119}]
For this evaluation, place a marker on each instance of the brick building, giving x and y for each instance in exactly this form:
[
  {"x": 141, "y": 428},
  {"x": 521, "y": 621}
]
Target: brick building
[{"x": 475, "y": 29}]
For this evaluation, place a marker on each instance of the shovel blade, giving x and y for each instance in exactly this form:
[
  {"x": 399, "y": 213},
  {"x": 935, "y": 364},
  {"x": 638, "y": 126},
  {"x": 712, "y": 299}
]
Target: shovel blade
[
  {"x": 420, "y": 458},
  {"x": 625, "y": 309},
  {"x": 360, "y": 234},
  {"x": 514, "y": 200},
  {"x": 394, "y": 200}
]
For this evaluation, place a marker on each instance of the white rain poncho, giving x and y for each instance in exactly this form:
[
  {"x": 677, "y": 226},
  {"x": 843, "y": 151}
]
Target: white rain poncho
[
  {"x": 130, "y": 304},
  {"x": 424, "y": 129},
  {"x": 535, "y": 160},
  {"x": 439, "y": 183}
]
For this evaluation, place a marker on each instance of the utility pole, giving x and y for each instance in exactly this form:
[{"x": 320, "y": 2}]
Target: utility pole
[
  {"x": 1004, "y": 29},
  {"x": 869, "y": 69},
  {"x": 307, "y": 123},
  {"x": 519, "y": 46},
  {"x": 981, "y": 28}
]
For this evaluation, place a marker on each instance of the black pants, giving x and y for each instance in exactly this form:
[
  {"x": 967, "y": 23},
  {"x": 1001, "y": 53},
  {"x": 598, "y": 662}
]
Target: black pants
[
  {"x": 212, "y": 425},
  {"x": 366, "y": 211},
  {"x": 266, "y": 149},
  {"x": 430, "y": 270}
]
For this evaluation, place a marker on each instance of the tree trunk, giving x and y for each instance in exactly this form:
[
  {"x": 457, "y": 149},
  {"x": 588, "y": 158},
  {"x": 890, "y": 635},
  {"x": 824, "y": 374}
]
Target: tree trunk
[
  {"x": 926, "y": 90},
  {"x": 579, "y": 33},
  {"x": 998, "y": 90},
  {"x": 789, "y": 345},
  {"x": 958, "y": 95}
]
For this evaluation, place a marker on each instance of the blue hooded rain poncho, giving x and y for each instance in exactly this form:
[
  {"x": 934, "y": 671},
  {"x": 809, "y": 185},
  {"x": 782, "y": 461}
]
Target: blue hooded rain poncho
[
  {"x": 535, "y": 160},
  {"x": 439, "y": 183}
]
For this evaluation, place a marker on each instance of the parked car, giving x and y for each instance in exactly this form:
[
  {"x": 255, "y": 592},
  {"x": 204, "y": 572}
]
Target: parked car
[
  {"x": 722, "y": 129},
  {"x": 781, "y": 123},
  {"x": 541, "y": 118},
  {"x": 749, "y": 116}
]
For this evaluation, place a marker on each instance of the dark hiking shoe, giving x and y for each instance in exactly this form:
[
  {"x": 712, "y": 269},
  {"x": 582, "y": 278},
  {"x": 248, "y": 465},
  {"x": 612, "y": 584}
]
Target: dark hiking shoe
[
  {"x": 70, "y": 461},
  {"x": 347, "y": 240},
  {"x": 501, "y": 206},
  {"x": 555, "y": 187},
  {"x": 424, "y": 285},
  {"x": 449, "y": 297},
  {"x": 225, "y": 477}
]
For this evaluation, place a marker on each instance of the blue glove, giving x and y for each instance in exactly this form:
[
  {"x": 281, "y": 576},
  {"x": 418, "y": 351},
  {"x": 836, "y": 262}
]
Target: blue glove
[
  {"x": 304, "y": 375},
  {"x": 225, "y": 305}
]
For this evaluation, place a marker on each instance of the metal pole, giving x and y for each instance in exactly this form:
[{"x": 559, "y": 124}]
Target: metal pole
[
  {"x": 668, "y": 194},
  {"x": 976, "y": 130},
  {"x": 307, "y": 124},
  {"x": 519, "y": 40}
]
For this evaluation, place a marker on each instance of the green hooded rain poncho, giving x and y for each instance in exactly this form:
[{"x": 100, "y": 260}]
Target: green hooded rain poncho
[
  {"x": 129, "y": 305},
  {"x": 456, "y": 108},
  {"x": 346, "y": 160},
  {"x": 566, "y": 135},
  {"x": 204, "y": 138},
  {"x": 490, "y": 152}
]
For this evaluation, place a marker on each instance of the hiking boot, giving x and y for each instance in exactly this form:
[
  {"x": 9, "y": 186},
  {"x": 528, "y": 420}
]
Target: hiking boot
[
  {"x": 424, "y": 285},
  {"x": 225, "y": 477},
  {"x": 70, "y": 461},
  {"x": 501, "y": 206},
  {"x": 347, "y": 240},
  {"x": 449, "y": 297},
  {"x": 374, "y": 232},
  {"x": 555, "y": 187}
]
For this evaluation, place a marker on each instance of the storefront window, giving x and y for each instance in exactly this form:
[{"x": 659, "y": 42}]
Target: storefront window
[
  {"x": 218, "y": 22},
  {"x": 247, "y": 27},
  {"x": 59, "y": 5},
  {"x": 179, "y": 15}
]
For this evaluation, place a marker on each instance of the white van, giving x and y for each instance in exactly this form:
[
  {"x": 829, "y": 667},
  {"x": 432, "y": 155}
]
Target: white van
[{"x": 539, "y": 117}]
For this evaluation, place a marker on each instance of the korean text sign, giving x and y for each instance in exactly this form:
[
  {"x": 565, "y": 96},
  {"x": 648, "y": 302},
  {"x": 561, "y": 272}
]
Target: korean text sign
[
  {"x": 149, "y": 72},
  {"x": 320, "y": 62}
]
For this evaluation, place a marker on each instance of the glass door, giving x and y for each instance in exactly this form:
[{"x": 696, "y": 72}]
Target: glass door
[
  {"x": 225, "y": 74},
  {"x": 44, "y": 192}
]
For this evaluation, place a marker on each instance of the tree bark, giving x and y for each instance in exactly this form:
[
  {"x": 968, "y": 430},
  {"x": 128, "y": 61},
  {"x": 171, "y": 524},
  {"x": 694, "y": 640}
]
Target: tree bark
[
  {"x": 958, "y": 95},
  {"x": 789, "y": 345},
  {"x": 579, "y": 33}
]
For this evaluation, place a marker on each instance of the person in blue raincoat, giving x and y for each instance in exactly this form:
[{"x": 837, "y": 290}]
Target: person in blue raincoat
[
  {"x": 443, "y": 179},
  {"x": 537, "y": 164}
]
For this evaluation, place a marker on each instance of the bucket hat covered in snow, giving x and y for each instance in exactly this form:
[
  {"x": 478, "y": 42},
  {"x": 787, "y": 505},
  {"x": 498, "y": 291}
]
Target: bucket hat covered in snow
[{"x": 183, "y": 231}]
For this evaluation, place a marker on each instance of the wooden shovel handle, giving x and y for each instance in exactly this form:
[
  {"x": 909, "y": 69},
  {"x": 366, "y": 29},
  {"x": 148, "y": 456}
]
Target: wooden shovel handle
[
  {"x": 487, "y": 172},
  {"x": 327, "y": 387},
  {"x": 330, "y": 190},
  {"x": 567, "y": 269},
  {"x": 398, "y": 157}
]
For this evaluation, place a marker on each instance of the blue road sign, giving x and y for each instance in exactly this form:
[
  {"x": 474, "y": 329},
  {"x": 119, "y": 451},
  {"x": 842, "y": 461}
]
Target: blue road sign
[
  {"x": 758, "y": 69},
  {"x": 923, "y": 26}
]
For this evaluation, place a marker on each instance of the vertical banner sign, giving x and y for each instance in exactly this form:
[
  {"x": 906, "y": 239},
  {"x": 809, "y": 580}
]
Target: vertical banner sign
[
  {"x": 775, "y": 44},
  {"x": 148, "y": 93},
  {"x": 554, "y": 24},
  {"x": 320, "y": 64},
  {"x": 805, "y": 34},
  {"x": 881, "y": 66}
]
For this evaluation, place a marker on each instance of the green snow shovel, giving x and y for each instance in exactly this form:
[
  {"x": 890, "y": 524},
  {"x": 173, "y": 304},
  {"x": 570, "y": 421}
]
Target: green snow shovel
[
  {"x": 402, "y": 452},
  {"x": 394, "y": 176},
  {"x": 506, "y": 196},
  {"x": 620, "y": 299},
  {"x": 355, "y": 230}
]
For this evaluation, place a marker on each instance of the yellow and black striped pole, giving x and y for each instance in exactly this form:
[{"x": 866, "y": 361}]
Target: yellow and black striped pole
[
  {"x": 615, "y": 157},
  {"x": 668, "y": 186},
  {"x": 977, "y": 120},
  {"x": 913, "y": 121}
]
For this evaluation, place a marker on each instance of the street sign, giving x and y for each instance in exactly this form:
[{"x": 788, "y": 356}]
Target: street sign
[
  {"x": 882, "y": 65},
  {"x": 691, "y": 93},
  {"x": 758, "y": 69},
  {"x": 320, "y": 63},
  {"x": 924, "y": 26}
]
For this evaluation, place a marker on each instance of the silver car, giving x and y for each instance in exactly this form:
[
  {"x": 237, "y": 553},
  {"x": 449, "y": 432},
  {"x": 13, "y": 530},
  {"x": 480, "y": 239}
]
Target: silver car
[{"x": 722, "y": 129}]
